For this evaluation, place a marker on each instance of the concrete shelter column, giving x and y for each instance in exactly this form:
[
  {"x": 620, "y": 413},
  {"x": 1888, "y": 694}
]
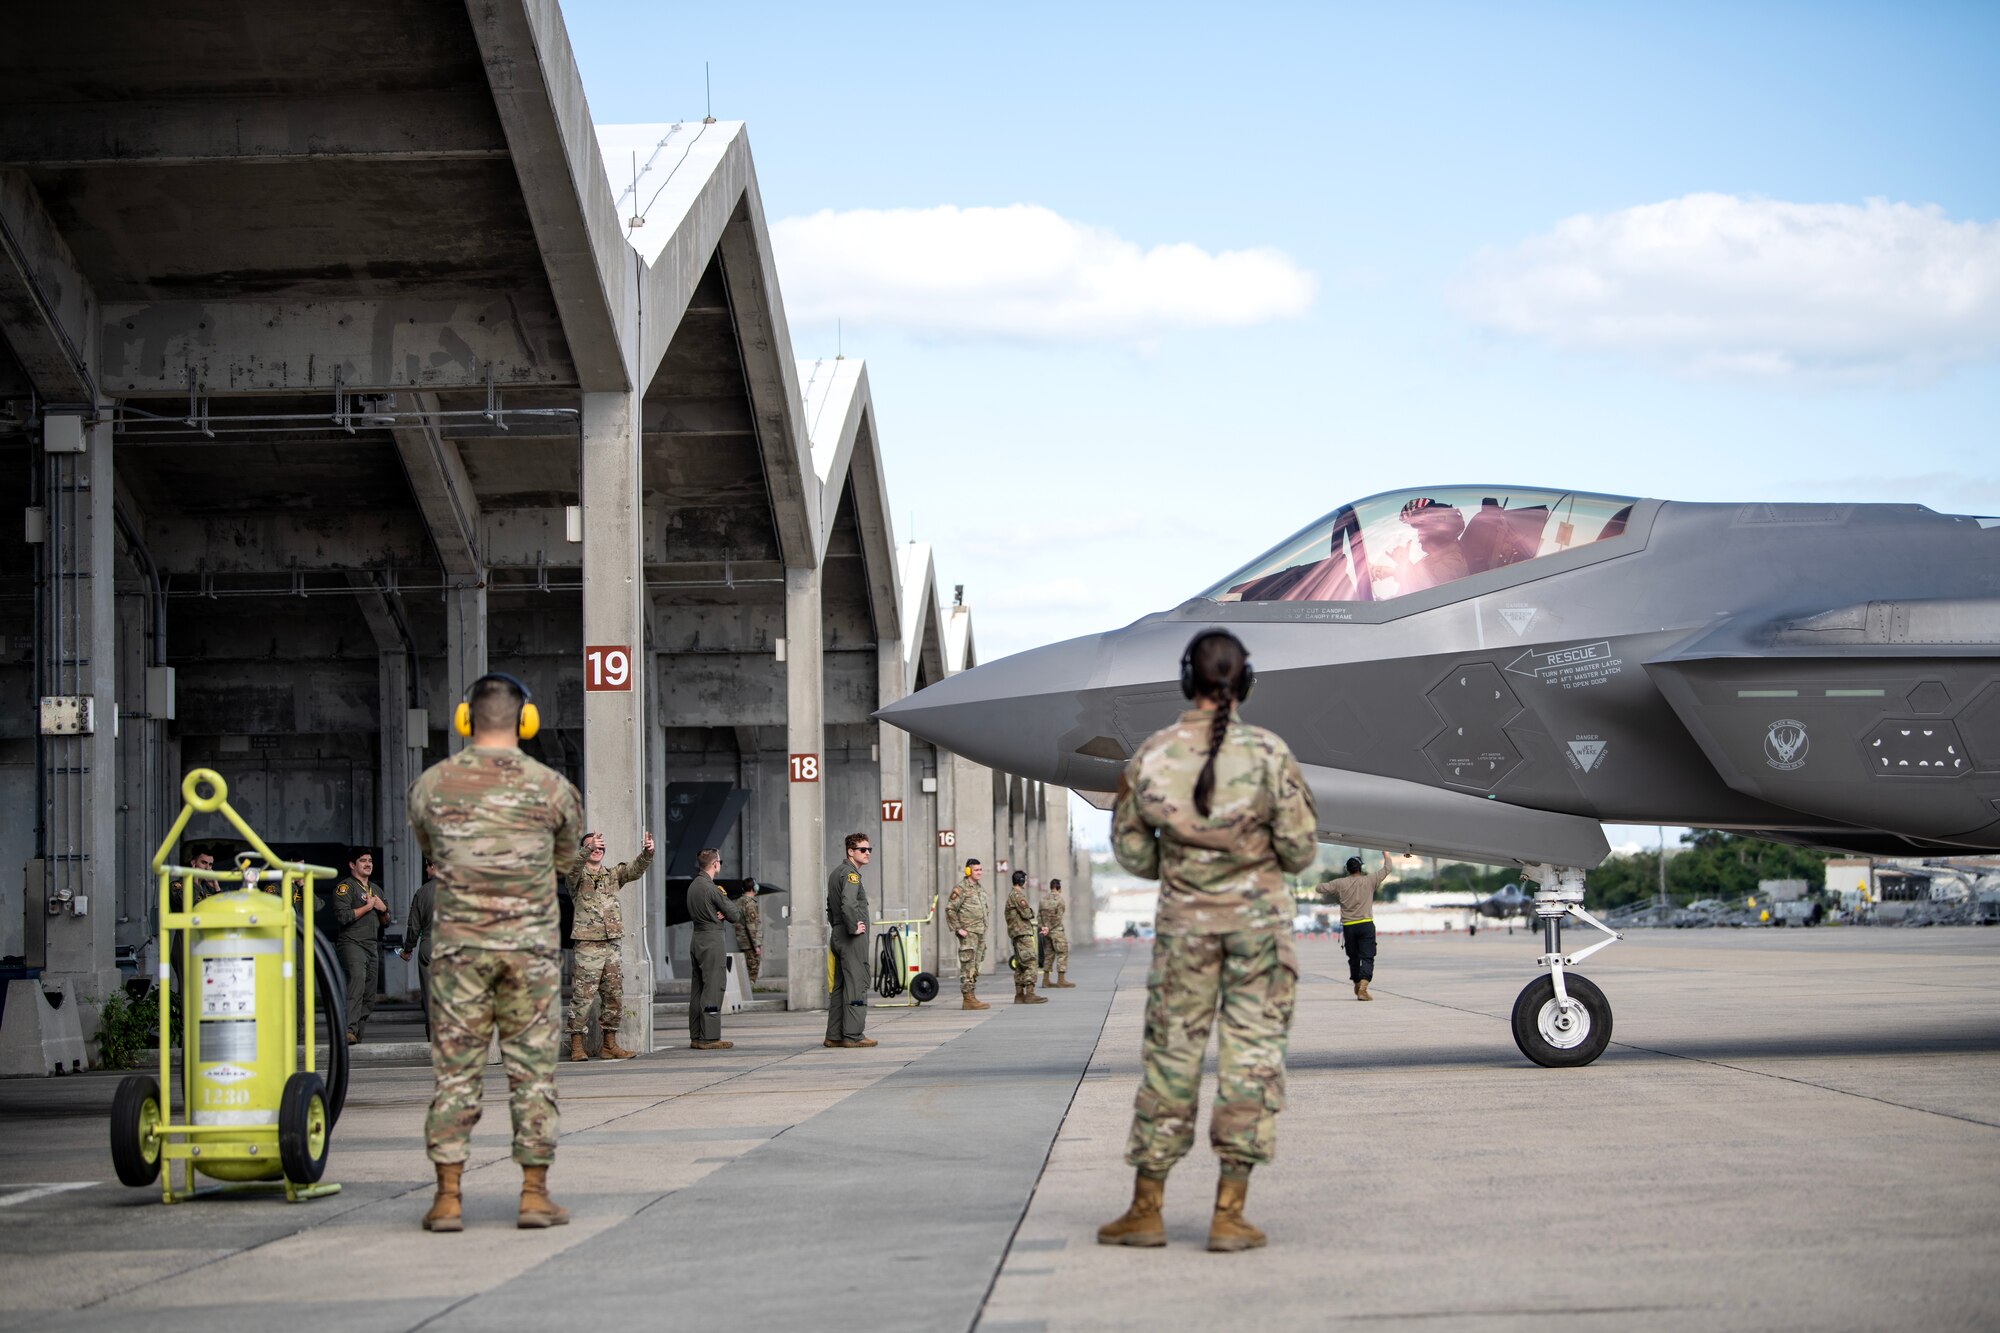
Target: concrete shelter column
[
  {"x": 80, "y": 646},
  {"x": 892, "y": 844},
  {"x": 616, "y": 726},
  {"x": 465, "y": 648},
  {"x": 401, "y": 755},
  {"x": 805, "y": 739}
]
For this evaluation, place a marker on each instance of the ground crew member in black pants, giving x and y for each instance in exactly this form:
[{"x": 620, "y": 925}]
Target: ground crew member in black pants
[
  {"x": 847, "y": 931},
  {"x": 1355, "y": 892},
  {"x": 712, "y": 914}
]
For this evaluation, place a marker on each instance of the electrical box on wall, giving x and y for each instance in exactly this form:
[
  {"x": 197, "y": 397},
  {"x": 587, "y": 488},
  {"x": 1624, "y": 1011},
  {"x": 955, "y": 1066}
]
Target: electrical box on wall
[
  {"x": 160, "y": 693},
  {"x": 930, "y": 786},
  {"x": 67, "y": 715},
  {"x": 62, "y": 433}
]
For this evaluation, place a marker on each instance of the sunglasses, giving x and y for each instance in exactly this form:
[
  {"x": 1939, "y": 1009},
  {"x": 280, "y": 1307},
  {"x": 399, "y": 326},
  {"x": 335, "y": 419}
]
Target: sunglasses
[{"x": 864, "y": 850}]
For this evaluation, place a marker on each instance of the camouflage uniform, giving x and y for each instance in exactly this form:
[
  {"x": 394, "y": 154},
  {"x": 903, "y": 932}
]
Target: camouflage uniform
[
  {"x": 847, "y": 1003},
  {"x": 1021, "y": 931},
  {"x": 1223, "y": 938},
  {"x": 595, "y": 930},
  {"x": 495, "y": 824},
  {"x": 1053, "y": 915},
  {"x": 966, "y": 910},
  {"x": 356, "y": 939},
  {"x": 750, "y": 934},
  {"x": 710, "y": 912}
]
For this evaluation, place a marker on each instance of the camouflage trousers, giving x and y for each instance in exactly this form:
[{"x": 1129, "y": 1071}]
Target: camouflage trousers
[
  {"x": 1251, "y": 977},
  {"x": 475, "y": 993},
  {"x": 752, "y": 963},
  {"x": 1058, "y": 950},
  {"x": 1027, "y": 965},
  {"x": 971, "y": 957},
  {"x": 595, "y": 969}
]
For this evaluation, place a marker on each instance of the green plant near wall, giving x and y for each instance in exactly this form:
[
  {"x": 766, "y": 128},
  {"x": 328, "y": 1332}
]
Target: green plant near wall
[{"x": 128, "y": 1029}]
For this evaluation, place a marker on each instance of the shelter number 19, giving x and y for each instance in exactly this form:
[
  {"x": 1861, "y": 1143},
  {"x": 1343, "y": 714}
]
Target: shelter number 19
[{"x": 607, "y": 667}]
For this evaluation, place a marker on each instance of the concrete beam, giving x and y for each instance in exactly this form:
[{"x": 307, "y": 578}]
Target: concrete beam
[
  {"x": 538, "y": 91},
  {"x": 284, "y": 543},
  {"x": 406, "y": 342},
  {"x": 840, "y": 408},
  {"x": 772, "y": 378},
  {"x": 438, "y": 479},
  {"x": 413, "y": 126},
  {"x": 48, "y": 312}
]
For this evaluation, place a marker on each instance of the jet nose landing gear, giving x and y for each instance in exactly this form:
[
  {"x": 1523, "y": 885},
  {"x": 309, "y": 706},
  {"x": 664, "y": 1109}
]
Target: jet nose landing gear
[{"x": 1562, "y": 1020}]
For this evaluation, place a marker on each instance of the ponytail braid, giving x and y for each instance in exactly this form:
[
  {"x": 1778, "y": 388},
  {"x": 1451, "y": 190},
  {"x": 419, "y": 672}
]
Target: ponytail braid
[
  {"x": 1214, "y": 668},
  {"x": 1218, "y": 731}
]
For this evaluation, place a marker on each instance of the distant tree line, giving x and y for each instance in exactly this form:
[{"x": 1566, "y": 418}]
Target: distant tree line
[{"x": 1709, "y": 864}]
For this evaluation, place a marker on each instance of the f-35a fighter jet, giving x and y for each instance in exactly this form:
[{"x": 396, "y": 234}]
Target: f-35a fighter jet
[{"x": 1489, "y": 672}]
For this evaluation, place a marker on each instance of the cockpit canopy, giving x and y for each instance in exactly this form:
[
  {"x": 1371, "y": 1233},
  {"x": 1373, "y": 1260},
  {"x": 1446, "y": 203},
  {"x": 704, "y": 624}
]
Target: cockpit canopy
[{"x": 1392, "y": 545}]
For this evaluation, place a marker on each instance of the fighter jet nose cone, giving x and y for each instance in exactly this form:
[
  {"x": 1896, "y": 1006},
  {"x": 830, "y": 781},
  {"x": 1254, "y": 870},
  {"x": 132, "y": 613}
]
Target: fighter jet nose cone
[{"x": 1011, "y": 714}]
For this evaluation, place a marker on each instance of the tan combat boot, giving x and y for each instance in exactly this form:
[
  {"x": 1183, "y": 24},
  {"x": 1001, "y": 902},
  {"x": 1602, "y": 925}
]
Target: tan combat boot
[
  {"x": 711, "y": 1045},
  {"x": 576, "y": 1051},
  {"x": 611, "y": 1050},
  {"x": 445, "y": 1214},
  {"x": 1141, "y": 1224},
  {"x": 974, "y": 1002},
  {"x": 859, "y": 1043},
  {"x": 1361, "y": 991},
  {"x": 1026, "y": 995},
  {"x": 538, "y": 1210},
  {"x": 1063, "y": 982},
  {"x": 1227, "y": 1231}
]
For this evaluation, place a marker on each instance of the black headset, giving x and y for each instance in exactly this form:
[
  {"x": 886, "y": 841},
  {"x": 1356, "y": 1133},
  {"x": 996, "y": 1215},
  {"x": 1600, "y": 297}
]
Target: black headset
[
  {"x": 531, "y": 716},
  {"x": 1020, "y": 877},
  {"x": 1243, "y": 683},
  {"x": 1353, "y": 865}
]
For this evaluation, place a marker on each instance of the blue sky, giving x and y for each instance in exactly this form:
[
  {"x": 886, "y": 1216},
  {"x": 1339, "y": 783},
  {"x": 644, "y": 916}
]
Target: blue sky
[{"x": 1727, "y": 317}]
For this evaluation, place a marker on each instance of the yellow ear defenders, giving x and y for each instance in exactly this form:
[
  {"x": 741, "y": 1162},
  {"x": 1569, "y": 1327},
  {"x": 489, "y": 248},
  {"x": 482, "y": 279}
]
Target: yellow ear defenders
[
  {"x": 1243, "y": 683},
  {"x": 531, "y": 716}
]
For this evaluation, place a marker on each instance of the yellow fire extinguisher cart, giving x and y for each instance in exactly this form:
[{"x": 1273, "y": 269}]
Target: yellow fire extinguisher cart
[{"x": 254, "y": 1109}]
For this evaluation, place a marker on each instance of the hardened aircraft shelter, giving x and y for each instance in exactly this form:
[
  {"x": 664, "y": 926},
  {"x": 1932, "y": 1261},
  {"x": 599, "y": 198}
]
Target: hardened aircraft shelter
[{"x": 343, "y": 359}]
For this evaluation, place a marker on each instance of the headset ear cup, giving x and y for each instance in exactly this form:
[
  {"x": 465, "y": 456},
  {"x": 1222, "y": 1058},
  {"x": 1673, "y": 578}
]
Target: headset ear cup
[
  {"x": 461, "y": 719},
  {"x": 1248, "y": 683},
  {"x": 531, "y": 721},
  {"x": 1187, "y": 674}
]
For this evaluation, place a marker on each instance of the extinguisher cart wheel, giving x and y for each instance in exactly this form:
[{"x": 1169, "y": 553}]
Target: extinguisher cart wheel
[
  {"x": 302, "y": 1129},
  {"x": 135, "y": 1130}
]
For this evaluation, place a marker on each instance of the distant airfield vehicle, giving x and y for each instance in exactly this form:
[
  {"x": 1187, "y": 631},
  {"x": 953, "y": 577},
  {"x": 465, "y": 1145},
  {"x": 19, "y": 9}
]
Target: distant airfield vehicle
[{"x": 1488, "y": 673}]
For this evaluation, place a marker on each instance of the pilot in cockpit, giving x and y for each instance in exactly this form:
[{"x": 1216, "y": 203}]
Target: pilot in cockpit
[{"x": 1433, "y": 558}]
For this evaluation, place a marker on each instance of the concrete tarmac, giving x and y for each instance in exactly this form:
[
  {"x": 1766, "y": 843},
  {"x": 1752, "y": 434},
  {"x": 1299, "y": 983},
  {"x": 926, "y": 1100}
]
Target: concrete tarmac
[{"x": 1791, "y": 1130}]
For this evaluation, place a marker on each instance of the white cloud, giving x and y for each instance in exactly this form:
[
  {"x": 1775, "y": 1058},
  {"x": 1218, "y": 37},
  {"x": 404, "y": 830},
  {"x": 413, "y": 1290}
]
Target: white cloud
[
  {"x": 1757, "y": 288},
  {"x": 1021, "y": 271}
]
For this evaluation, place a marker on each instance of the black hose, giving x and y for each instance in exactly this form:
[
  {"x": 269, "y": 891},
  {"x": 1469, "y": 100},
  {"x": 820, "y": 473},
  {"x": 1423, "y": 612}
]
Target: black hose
[
  {"x": 889, "y": 968},
  {"x": 331, "y": 981}
]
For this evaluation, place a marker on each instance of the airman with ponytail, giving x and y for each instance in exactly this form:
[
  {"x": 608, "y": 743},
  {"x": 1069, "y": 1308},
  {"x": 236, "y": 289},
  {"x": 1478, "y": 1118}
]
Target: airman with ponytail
[{"x": 1216, "y": 810}]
